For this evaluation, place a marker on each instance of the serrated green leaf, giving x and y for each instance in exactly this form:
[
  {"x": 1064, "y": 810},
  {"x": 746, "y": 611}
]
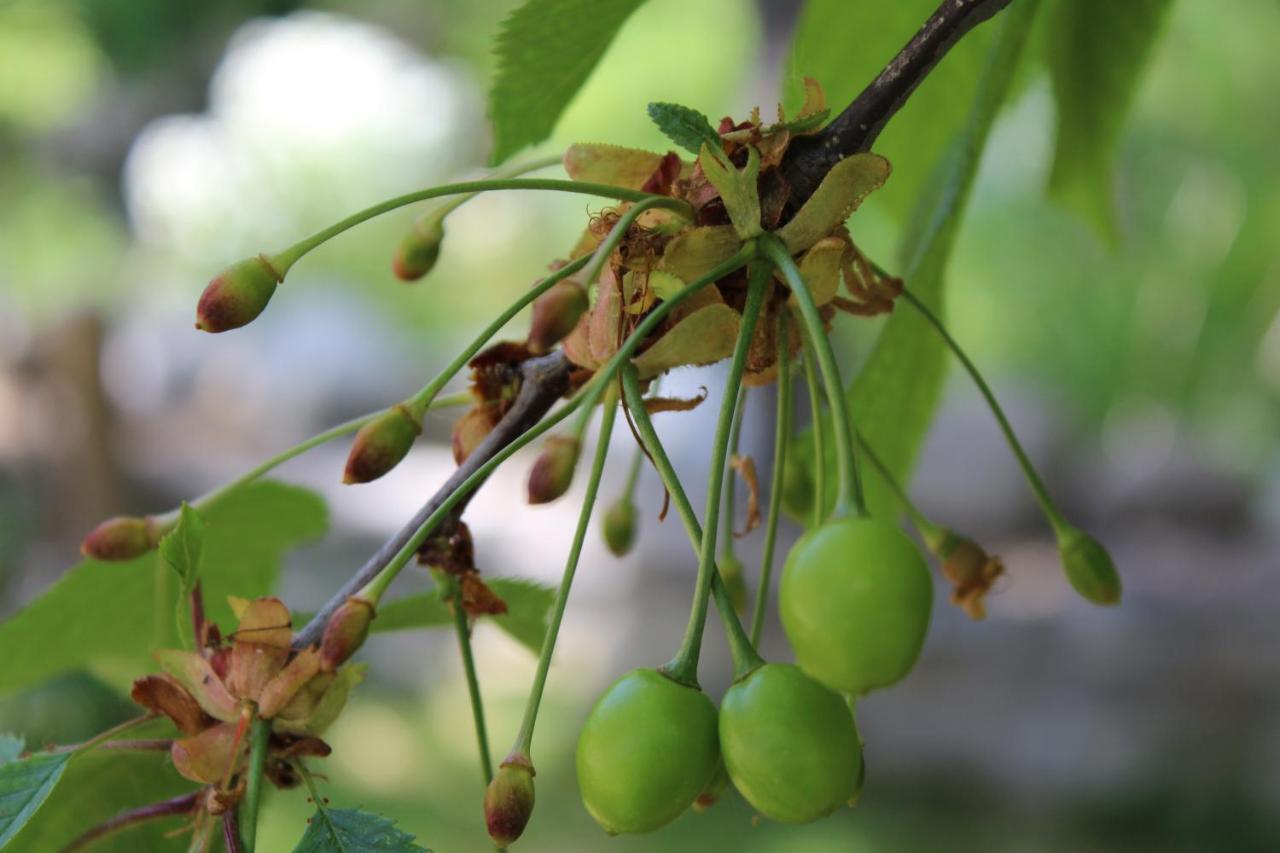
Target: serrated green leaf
[
  {"x": 92, "y": 616},
  {"x": 737, "y": 187},
  {"x": 686, "y": 127},
  {"x": 11, "y": 747},
  {"x": 704, "y": 337},
  {"x": 843, "y": 45},
  {"x": 100, "y": 785},
  {"x": 610, "y": 164},
  {"x": 24, "y": 787},
  {"x": 354, "y": 831},
  {"x": 1097, "y": 52},
  {"x": 841, "y": 191},
  {"x": 893, "y": 398},
  {"x": 181, "y": 547},
  {"x": 528, "y": 606},
  {"x": 546, "y": 50}
]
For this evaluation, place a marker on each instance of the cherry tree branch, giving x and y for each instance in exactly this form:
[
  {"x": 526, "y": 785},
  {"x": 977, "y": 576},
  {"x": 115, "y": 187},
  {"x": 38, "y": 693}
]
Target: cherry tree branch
[
  {"x": 806, "y": 163},
  {"x": 543, "y": 381},
  {"x": 809, "y": 158}
]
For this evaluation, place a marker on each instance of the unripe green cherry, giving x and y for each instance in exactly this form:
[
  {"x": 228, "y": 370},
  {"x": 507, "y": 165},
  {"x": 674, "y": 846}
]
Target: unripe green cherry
[
  {"x": 555, "y": 314},
  {"x": 797, "y": 490},
  {"x": 1089, "y": 567},
  {"x": 420, "y": 249},
  {"x": 381, "y": 444},
  {"x": 508, "y": 801},
  {"x": 552, "y": 471},
  {"x": 619, "y": 527},
  {"x": 790, "y": 745},
  {"x": 855, "y": 599},
  {"x": 237, "y": 295},
  {"x": 646, "y": 752},
  {"x": 732, "y": 574}
]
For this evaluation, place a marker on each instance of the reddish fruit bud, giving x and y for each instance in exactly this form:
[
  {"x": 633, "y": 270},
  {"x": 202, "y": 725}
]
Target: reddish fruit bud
[
  {"x": 345, "y": 632},
  {"x": 381, "y": 444},
  {"x": 237, "y": 295},
  {"x": 553, "y": 471},
  {"x": 620, "y": 527},
  {"x": 555, "y": 314},
  {"x": 121, "y": 538},
  {"x": 508, "y": 801},
  {"x": 420, "y": 249},
  {"x": 1089, "y": 567}
]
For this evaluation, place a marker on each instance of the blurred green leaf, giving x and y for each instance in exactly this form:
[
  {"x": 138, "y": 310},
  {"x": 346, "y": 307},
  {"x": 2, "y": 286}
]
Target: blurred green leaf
[
  {"x": 685, "y": 126},
  {"x": 351, "y": 830},
  {"x": 546, "y": 50},
  {"x": 1097, "y": 51},
  {"x": 844, "y": 45},
  {"x": 24, "y": 786},
  {"x": 528, "y": 605},
  {"x": 97, "y": 612},
  {"x": 894, "y": 396},
  {"x": 11, "y": 747},
  {"x": 100, "y": 785}
]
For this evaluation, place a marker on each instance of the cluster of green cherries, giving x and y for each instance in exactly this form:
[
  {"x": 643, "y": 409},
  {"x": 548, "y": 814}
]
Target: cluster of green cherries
[{"x": 855, "y": 593}]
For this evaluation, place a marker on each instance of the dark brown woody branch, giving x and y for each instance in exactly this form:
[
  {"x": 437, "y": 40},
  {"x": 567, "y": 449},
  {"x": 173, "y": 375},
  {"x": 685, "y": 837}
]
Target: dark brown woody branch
[
  {"x": 810, "y": 157},
  {"x": 543, "y": 381}
]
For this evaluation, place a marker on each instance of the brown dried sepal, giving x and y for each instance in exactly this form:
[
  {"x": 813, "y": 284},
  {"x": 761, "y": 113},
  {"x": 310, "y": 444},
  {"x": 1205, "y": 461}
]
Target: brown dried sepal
[
  {"x": 451, "y": 550},
  {"x": 971, "y": 572},
  {"x": 745, "y": 467},
  {"x": 477, "y": 598},
  {"x": 162, "y": 695}
]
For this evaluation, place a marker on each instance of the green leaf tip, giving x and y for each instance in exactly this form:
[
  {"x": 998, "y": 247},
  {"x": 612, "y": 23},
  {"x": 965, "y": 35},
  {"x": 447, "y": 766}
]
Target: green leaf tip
[{"x": 684, "y": 126}]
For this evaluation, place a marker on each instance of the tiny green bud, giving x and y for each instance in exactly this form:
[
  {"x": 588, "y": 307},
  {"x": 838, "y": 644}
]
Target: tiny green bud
[
  {"x": 237, "y": 295},
  {"x": 120, "y": 538},
  {"x": 345, "y": 632},
  {"x": 508, "y": 801},
  {"x": 1089, "y": 567},
  {"x": 420, "y": 249},
  {"x": 553, "y": 471},
  {"x": 555, "y": 314},
  {"x": 620, "y": 527},
  {"x": 381, "y": 444}
]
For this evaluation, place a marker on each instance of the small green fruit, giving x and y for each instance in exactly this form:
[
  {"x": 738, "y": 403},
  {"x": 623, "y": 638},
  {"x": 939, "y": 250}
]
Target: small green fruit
[
  {"x": 790, "y": 745},
  {"x": 646, "y": 751},
  {"x": 1089, "y": 567},
  {"x": 620, "y": 527},
  {"x": 120, "y": 538},
  {"x": 855, "y": 599},
  {"x": 381, "y": 444},
  {"x": 420, "y": 249},
  {"x": 237, "y": 295},
  {"x": 508, "y": 801},
  {"x": 555, "y": 314},
  {"x": 732, "y": 574},
  {"x": 552, "y": 471}
]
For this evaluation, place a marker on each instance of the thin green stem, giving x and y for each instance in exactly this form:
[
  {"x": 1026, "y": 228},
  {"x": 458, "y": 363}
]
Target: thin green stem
[
  {"x": 929, "y": 531},
  {"x": 524, "y": 739},
  {"x": 684, "y": 666},
  {"x": 587, "y": 395},
  {"x": 819, "y": 434},
  {"x": 104, "y": 736},
  {"x": 781, "y": 439},
  {"x": 259, "y": 736},
  {"x": 462, "y": 629},
  {"x": 1051, "y": 512},
  {"x": 850, "y": 495},
  {"x": 514, "y": 170},
  {"x": 633, "y": 474},
  {"x": 728, "y": 507},
  {"x": 745, "y": 658},
  {"x": 420, "y": 401},
  {"x": 282, "y": 261}
]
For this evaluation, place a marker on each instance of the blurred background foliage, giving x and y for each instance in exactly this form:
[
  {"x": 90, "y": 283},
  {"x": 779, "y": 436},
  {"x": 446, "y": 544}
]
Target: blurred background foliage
[{"x": 144, "y": 143}]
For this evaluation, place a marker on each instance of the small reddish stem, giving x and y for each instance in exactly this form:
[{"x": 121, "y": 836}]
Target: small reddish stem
[{"x": 183, "y": 805}]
